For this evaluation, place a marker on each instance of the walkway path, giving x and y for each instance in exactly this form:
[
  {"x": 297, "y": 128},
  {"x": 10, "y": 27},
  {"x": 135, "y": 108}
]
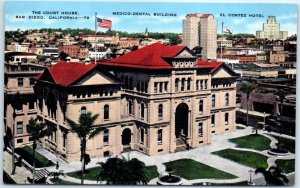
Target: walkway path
[
  {"x": 20, "y": 177},
  {"x": 202, "y": 154}
]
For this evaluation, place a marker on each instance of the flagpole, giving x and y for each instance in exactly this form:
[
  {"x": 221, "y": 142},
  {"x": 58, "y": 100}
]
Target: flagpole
[
  {"x": 95, "y": 36},
  {"x": 221, "y": 40}
]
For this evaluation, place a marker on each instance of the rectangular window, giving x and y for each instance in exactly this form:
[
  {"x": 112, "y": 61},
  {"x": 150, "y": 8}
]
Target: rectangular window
[
  {"x": 155, "y": 87},
  {"x": 213, "y": 120},
  {"x": 205, "y": 84},
  {"x": 105, "y": 137},
  {"x": 19, "y": 127},
  {"x": 146, "y": 88},
  {"x": 201, "y": 84},
  {"x": 166, "y": 87},
  {"x": 64, "y": 140},
  {"x": 226, "y": 118},
  {"x": 176, "y": 84},
  {"x": 188, "y": 84},
  {"x": 31, "y": 105},
  {"x": 160, "y": 87},
  {"x": 31, "y": 81},
  {"x": 200, "y": 129},
  {"x": 159, "y": 136},
  {"x": 20, "y": 82},
  {"x": 197, "y": 85},
  {"x": 19, "y": 140},
  {"x": 182, "y": 84},
  {"x": 142, "y": 135}
]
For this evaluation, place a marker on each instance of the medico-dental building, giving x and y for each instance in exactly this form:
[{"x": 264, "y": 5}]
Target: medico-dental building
[{"x": 155, "y": 100}]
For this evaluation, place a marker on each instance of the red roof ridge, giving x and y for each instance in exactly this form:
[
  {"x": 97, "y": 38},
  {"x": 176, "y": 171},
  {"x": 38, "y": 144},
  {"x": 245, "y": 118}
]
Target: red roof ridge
[
  {"x": 150, "y": 57},
  {"x": 66, "y": 73}
]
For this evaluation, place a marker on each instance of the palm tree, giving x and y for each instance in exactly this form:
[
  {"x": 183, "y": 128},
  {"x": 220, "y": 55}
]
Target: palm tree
[
  {"x": 36, "y": 131},
  {"x": 116, "y": 171},
  {"x": 273, "y": 176},
  {"x": 247, "y": 89},
  {"x": 281, "y": 94},
  {"x": 85, "y": 130}
]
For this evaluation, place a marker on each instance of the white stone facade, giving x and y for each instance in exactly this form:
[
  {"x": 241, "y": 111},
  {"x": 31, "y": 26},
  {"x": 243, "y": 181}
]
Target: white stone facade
[{"x": 201, "y": 30}]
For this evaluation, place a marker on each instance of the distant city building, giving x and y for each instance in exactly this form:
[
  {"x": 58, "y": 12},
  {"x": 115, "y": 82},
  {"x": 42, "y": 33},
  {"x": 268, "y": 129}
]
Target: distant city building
[
  {"x": 18, "y": 57},
  {"x": 224, "y": 43},
  {"x": 17, "y": 48},
  {"x": 74, "y": 51},
  {"x": 275, "y": 57},
  {"x": 201, "y": 30},
  {"x": 271, "y": 30},
  {"x": 19, "y": 78},
  {"x": 126, "y": 42}
]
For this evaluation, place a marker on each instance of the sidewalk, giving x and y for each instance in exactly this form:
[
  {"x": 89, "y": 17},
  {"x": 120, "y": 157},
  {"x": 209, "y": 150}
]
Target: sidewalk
[{"x": 20, "y": 177}]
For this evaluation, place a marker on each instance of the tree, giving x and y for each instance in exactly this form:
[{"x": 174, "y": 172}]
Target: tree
[
  {"x": 281, "y": 94},
  {"x": 63, "y": 56},
  {"x": 247, "y": 89},
  {"x": 84, "y": 130},
  {"x": 273, "y": 176},
  {"x": 36, "y": 131},
  {"x": 197, "y": 50},
  {"x": 116, "y": 171}
]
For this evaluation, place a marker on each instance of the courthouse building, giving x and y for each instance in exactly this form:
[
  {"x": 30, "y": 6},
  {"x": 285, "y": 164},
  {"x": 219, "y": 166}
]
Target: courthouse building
[
  {"x": 201, "y": 30},
  {"x": 158, "y": 99}
]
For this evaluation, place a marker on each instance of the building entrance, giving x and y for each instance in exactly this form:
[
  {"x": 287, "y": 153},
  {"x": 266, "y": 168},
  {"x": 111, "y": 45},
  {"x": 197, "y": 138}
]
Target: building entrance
[
  {"x": 126, "y": 137},
  {"x": 181, "y": 120}
]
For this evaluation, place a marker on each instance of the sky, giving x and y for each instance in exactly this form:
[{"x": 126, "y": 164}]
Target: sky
[{"x": 286, "y": 15}]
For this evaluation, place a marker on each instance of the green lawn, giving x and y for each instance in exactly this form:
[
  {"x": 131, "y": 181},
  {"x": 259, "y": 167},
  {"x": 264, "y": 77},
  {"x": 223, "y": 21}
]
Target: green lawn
[
  {"x": 287, "y": 144},
  {"x": 242, "y": 183},
  {"x": 40, "y": 160},
  {"x": 286, "y": 165},
  {"x": 92, "y": 173},
  {"x": 190, "y": 169},
  {"x": 152, "y": 172},
  {"x": 61, "y": 182},
  {"x": 247, "y": 158},
  {"x": 257, "y": 142}
]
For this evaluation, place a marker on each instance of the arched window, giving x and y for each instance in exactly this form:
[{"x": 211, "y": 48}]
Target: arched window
[
  {"x": 213, "y": 100},
  {"x": 227, "y": 99},
  {"x": 106, "y": 111},
  {"x": 201, "y": 106},
  {"x": 160, "y": 112},
  {"x": 142, "y": 110},
  {"x": 83, "y": 110},
  {"x": 182, "y": 84},
  {"x": 130, "y": 107},
  {"x": 188, "y": 84},
  {"x": 176, "y": 84}
]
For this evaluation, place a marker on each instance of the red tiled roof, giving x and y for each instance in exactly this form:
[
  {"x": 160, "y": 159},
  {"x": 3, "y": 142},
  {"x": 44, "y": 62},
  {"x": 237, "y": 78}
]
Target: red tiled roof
[
  {"x": 214, "y": 65},
  {"x": 149, "y": 57},
  {"x": 205, "y": 15},
  {"x": 67, "y": 73},
  {"x": 193, "y": 15},
  {"x": 199, "y": 15}
]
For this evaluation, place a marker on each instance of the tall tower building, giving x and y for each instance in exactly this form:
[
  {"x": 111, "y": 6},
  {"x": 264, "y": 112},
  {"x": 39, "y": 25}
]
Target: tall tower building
[
  {"x": 201, "y": 30},
  {"x": 271, "y": 30}
]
